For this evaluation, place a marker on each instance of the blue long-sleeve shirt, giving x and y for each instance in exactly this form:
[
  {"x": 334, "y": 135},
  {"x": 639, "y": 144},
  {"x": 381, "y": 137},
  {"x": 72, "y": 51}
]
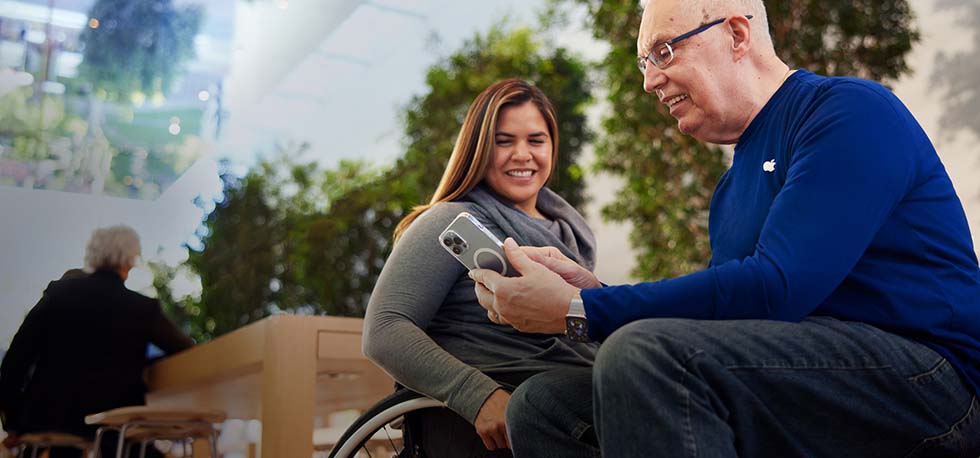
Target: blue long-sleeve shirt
[{"x": 836, "y": 204}]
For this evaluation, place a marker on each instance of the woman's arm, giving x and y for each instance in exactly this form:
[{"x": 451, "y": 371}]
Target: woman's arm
[{"x": 412, "y": 286}]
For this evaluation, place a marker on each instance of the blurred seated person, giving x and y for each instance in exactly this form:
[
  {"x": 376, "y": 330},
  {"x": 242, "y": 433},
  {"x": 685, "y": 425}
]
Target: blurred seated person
[{"x": 86, "y": 340}]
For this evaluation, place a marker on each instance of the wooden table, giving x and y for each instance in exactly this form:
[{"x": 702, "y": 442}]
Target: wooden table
[{"x": 283, "y": 370}]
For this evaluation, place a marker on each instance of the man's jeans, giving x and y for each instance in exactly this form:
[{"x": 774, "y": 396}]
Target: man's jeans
[{"x": 686, "y": 388}]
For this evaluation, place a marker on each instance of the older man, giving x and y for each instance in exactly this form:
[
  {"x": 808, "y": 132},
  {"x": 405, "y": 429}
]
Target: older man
[
  {"x": 840, "y": 312},
  {"x": 82, "y": 348}
]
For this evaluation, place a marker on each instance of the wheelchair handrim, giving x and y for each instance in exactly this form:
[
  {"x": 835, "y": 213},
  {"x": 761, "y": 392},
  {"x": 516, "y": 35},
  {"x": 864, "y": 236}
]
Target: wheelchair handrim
[{"x": 371, "y": 426}]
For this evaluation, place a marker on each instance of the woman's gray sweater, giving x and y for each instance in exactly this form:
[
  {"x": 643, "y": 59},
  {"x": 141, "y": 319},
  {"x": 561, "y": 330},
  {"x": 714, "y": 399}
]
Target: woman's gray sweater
[{"x": 425, "y": 327}]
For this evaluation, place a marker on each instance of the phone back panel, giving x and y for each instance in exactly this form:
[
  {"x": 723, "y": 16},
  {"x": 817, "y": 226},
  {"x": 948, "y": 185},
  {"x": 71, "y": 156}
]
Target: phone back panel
[{"x": 475, "y": 246}]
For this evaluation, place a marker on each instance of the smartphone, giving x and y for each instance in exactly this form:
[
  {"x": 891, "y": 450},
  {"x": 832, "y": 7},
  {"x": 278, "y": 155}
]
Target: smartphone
[{"x": 475, "y": 246}]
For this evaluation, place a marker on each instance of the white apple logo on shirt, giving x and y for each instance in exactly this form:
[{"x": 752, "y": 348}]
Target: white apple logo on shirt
[{"x": 769, "y": 166}]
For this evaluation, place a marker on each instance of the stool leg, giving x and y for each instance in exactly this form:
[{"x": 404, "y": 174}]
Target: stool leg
[
  {"x": 213, "y": 439},
  {"x": 183, "y": 448},
  {"x": 129, "y": 449},
  {"x": 97, "y": 448},
  {"x": 34, "y": 450},
  {"x": 121, "y": 444}
]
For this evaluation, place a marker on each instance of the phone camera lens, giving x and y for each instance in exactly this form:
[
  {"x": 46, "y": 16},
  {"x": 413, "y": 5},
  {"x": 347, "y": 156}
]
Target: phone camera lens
[
  {"x": 457, "y": 240},
  {"x": 457, "y": 249},
  {"x": 447, "y": 241}
]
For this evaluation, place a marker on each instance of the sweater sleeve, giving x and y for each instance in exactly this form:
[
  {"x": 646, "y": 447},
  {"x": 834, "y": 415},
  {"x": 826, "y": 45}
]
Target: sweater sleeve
[
  {"x": 852, "y": 163},
  {"x": 413, "y": 284},
  {"x": 22, "y": 354},
  {"x": 165, "y": 334}
]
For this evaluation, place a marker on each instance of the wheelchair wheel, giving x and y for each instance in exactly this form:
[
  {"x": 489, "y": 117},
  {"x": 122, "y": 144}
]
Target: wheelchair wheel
[{"x": 377, "y": 433}]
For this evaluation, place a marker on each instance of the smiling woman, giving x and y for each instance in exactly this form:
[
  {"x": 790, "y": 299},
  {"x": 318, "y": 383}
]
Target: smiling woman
[
  {"x": 425, "y": 326},
  {"x": 521, "y": 119},
  {"x": 521, "y": 156}
]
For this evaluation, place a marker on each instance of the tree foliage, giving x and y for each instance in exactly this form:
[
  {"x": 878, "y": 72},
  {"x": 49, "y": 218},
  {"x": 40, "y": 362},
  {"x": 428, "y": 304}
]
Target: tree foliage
[
  {"x": 293, "y": 236},
  {"x": 669, "y": 177},
  {"x": 138, "y": 46}
]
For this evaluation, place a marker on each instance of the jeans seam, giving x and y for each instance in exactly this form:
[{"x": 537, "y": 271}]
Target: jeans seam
[
  {"x": 580, "y": 430},
  {"x": 939, "y": 366},
  {"x": 954, "y": 429},
  {"x": 795, "y": 368},
  {"x": 690, "y": 443}
]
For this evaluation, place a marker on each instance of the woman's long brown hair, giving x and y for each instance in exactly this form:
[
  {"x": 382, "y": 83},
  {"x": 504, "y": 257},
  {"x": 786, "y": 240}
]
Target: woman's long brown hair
[{"x": 473, "y": 152}]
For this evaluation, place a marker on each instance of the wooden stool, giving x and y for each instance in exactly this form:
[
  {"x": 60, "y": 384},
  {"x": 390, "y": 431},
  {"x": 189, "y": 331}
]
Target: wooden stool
[
  {"x": 46, "y": 440},
  {"x": 145, "y": 424}
]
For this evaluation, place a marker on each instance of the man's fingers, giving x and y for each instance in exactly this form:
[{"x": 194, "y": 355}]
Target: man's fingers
[
  {"x": 484, "y": 296},
  {"x": 536, "y": 253},
  {"x": 495, "y": 317},
  {"x": 517, "y": 257},
  {"x": 554, "y": 264},
  {"x": 486, "y": 277}
]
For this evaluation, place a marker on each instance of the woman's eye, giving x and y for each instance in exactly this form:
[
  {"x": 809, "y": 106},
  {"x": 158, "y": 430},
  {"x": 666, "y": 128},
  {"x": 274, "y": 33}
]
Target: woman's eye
[
  {"x": 537, "y": 142},
  {"x": 503, "y": 143}
]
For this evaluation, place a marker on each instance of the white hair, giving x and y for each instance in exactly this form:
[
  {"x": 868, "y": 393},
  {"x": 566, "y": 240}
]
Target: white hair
[{"x": 112, "y": 247}]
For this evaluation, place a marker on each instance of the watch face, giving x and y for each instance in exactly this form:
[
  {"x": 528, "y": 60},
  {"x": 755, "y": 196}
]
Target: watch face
[{"x": 576, "y": 328}]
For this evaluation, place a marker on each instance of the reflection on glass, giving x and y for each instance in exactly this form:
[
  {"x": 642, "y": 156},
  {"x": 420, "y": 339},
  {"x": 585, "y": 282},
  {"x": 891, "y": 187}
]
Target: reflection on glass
[{"x": 110, "y": 97}]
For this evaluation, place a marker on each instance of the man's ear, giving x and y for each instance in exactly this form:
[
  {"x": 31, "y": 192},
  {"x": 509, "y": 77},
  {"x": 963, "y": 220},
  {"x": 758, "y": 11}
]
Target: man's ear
[{"x": 741, "y": 33}]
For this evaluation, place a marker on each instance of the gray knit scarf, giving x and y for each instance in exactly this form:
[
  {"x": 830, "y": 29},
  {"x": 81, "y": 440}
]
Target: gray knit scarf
[{"x": 577, "y": 241}]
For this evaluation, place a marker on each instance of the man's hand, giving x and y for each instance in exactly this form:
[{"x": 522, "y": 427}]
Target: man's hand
[
  {"x": 490, "y": 420},
  {"x": 556, "y": 261},
  {"x": 537, "y": 301}
]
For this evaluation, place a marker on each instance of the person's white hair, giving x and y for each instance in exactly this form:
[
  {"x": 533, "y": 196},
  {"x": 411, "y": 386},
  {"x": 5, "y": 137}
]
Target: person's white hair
[{"x": 112, "y": 247}]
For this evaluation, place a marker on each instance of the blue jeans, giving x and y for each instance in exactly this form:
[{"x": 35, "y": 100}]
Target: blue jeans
[{"x": 686, "y": 388}]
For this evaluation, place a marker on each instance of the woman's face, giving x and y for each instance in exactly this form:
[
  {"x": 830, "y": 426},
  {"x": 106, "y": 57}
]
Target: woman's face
[{"x": 521, "y": 156}]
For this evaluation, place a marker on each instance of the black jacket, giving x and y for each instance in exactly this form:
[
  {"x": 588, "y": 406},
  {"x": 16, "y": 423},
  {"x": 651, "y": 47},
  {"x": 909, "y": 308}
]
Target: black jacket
[{"x": 86, "y": 342}]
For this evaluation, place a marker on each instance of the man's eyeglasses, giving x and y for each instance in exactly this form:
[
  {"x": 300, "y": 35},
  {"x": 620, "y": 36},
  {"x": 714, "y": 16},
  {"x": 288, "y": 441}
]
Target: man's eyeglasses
[{"x": 662, "y": 54}]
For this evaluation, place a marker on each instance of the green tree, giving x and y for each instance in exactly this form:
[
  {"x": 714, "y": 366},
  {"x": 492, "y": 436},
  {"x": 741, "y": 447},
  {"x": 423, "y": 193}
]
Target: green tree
[
  {"x": 294, "y": 237},
  {"x": 669, "y": 177},
  {"x": 183, "y": 310},
  {"x": 138, "y": 46},
  {"x": 243, "y": 239}
]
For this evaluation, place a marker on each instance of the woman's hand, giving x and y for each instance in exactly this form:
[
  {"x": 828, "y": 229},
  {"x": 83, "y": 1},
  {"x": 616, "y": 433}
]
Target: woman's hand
[
  {"x": 490, "y": 420},
  {"x": 570, "y": 271}
]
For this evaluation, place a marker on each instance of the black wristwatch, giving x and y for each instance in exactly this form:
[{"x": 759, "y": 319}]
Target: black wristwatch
[{"x": 576, "y": 325}]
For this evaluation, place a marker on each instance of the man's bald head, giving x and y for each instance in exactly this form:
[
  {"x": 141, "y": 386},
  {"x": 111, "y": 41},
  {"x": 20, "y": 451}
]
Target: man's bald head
[{"x": 704, "y": 11}]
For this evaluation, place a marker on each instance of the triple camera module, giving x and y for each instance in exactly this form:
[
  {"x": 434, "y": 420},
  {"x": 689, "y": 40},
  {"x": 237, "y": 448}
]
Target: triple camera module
[{"x": 454, "y": 242}]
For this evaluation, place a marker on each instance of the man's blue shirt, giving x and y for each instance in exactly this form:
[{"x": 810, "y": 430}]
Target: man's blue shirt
[{"x": 836, "y": 204}]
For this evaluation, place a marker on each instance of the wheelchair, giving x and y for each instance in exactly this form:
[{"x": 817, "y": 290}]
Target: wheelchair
[{"x": 384, "y": 426}]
